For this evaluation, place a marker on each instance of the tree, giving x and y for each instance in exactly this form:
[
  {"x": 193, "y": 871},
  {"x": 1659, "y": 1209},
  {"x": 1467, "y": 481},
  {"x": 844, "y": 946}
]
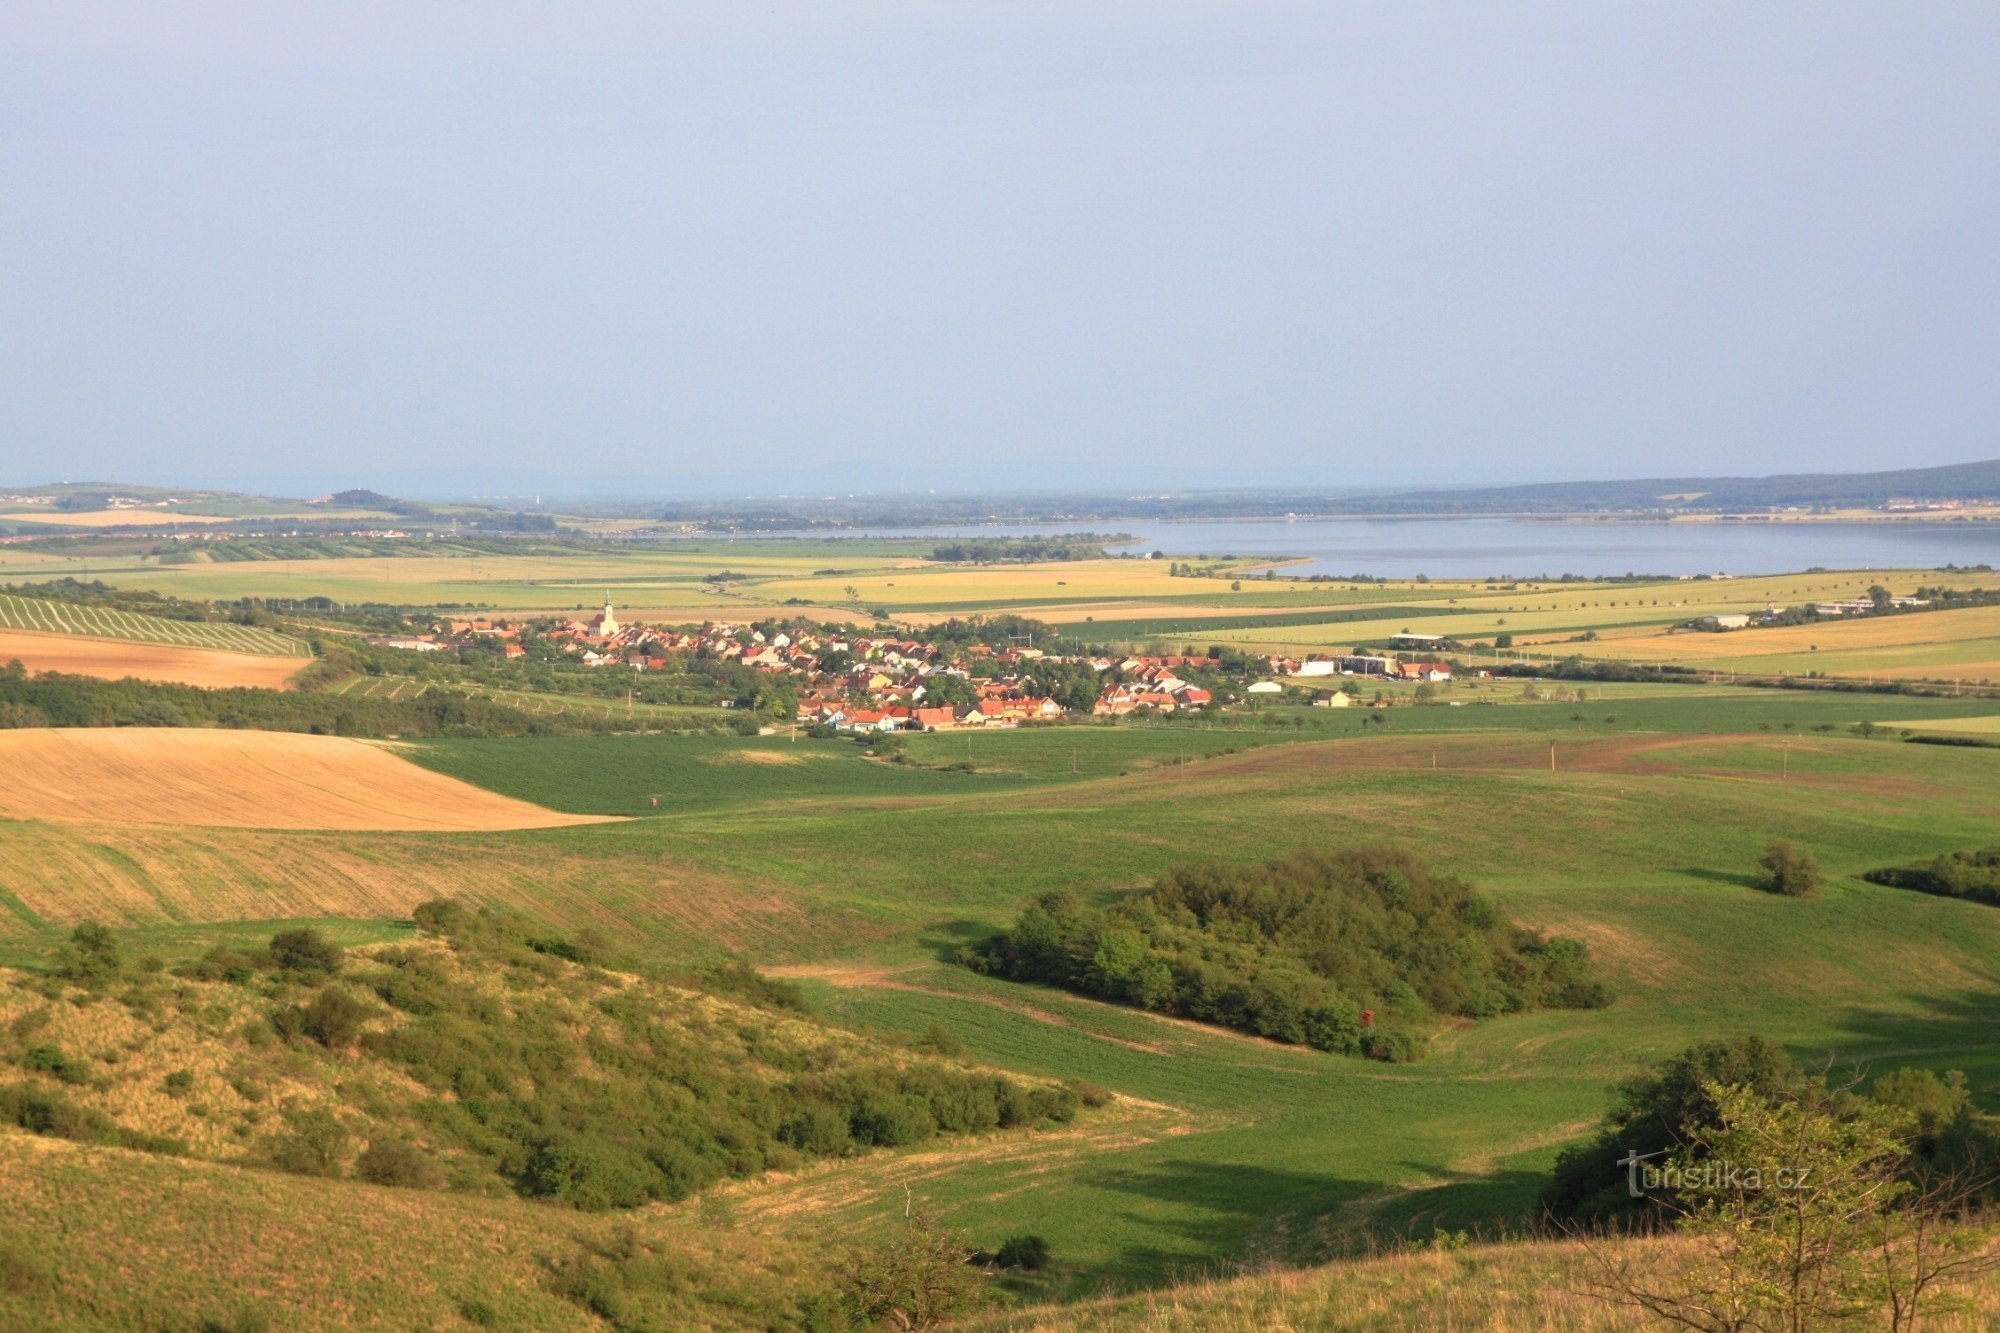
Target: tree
[
  {"x": 942, "y": 689},
  {"x": 1650, "y": 1115},
  {"x": 305, "y": 951},
  {"x": 1802, "y": 1216},
  {"x": 919, "y": 1278},
  {"x": 1788, "y": 869}
]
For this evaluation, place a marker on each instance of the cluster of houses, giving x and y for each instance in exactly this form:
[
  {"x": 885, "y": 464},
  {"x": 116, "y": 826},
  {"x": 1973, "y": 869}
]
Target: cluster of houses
[
  {"x": 1824, "y": 610},
  {"x": 1363, "y": 664},
  {"x": 860, "y": 683},
  {"x": 871, "y": 683}
]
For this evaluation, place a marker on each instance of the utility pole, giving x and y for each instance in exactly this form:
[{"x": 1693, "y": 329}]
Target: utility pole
[{"x": 1552, "y": 756}]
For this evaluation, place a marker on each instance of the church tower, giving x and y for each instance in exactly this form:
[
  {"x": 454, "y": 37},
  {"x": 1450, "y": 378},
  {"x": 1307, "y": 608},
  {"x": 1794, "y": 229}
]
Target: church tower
[{"x": 607, "y": 624}]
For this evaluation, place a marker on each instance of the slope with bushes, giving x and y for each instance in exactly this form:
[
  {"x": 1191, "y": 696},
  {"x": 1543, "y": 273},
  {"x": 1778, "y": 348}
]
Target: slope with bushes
[
  {"x": 487, "y": 1057},
  {"x": 1357, "y": 951}
]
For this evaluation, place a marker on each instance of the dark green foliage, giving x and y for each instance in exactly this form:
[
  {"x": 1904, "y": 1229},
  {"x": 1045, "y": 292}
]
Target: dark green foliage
[
  {"x": 740, "y": 981},
  {"x": 91, "y": 957},
  {"x": 919, "y": 1278},
  {"x": 333, "y": 1018},
  {"x": 57, "y": 700},
  {"x": 394, "y": 1162},
  {"x": 43, "y": 1111},
  {"x": 315, "y": 1145},
  {"x": 1789, "y": 869},
  {"x": 1973, "y": 875},
  {"x": 305, "y": 951},
  {"x": 1021, "y": 550},
  {"x": 221, "y": 964},
  {"x": 1654, "y": 1112},
  {"x": 1030, "y": 1253},
  {"x": 642, "y": 1094},
  {"x": 1296, "y": 949},
  {"x": 52, "y": 1060},
  {"x": 940, "y": 1040}
]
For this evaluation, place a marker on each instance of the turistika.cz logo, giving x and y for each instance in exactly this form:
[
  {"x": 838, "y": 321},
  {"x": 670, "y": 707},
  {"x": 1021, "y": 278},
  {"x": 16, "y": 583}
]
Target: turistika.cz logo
[{"x": 1643, "y": 1176}]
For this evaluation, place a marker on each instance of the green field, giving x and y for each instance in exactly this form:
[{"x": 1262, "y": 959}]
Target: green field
[
  {"x": 538, "y": 703},
  {"x": 861, "y": 877},
  {"x": 49, "y": 617}
]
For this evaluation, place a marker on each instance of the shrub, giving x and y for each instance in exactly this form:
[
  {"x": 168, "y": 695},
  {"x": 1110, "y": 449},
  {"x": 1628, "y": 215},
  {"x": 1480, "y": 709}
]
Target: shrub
[
  {"x": 47, "y": 1059},
  {"x": 91, "y": 957},
  {"x": 305, "y": 951},
  {"x": 221, "y": 964},
  {"x": 45, "y": 1112},
  {"x": 1654, "y": 1112},
  {"x": 1030, "y": 1253},
  {"x": 394, "y": 1162},
  {"x": 315, "y": 1145},
  {"x": 919, "y": 1278},
  {"x": 1788, "y": 869},
  {"x": 333, "y": 1018},
  {"x": 179, "y": 1083},
  {"x": 940, "y": 1040}
]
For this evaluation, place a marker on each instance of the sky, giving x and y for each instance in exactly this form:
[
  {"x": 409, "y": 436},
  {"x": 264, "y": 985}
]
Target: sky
[{"x": 657, "y": 249}]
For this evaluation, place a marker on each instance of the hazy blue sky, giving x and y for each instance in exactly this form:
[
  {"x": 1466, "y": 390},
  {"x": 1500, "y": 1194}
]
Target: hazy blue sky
[{"x": 437, "y": 247}]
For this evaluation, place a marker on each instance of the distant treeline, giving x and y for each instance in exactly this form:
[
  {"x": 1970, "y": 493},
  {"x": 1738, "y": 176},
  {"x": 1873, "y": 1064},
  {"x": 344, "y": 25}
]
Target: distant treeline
[
  {"x": 52, "y": 699},
  {"x": 1016, "y": 550},
  {"x": 1299, "y": 950},
  {"x": 1973, "y": 875},
  {"x": 1577, "y": 668}
]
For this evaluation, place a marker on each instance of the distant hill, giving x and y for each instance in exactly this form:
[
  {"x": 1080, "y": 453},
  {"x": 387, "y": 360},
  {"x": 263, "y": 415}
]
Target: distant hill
[{"x": 1958, "y": 481}]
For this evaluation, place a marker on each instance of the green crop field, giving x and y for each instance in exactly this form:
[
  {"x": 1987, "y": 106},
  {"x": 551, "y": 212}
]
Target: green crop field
[{"x": 51, "y": 617}]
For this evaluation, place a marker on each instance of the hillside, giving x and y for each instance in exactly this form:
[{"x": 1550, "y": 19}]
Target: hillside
[
  {"x": 428, "y": 1083},
  {"x": 1957, "y": 481}
]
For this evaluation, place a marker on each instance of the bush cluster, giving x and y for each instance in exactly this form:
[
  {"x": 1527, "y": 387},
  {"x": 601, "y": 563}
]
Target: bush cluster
[
  {"x": 1298, "y": 948},
  {"x": 1972, "y": 875}
]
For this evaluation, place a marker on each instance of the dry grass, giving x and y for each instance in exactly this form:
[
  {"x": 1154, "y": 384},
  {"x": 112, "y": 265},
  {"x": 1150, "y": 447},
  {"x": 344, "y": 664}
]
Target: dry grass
[
  {"x": 1518, "y": 1287},
  {"x": 246, "y": 779},
  {"x": 115, "y": 659}
]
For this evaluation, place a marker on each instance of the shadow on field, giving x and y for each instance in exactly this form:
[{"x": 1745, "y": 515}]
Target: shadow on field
[
  {"x": 1736, "y": 879},
  {"x": 1490, "y": 1204},
  {"x": 945, "y": 938},
  {"x": 1234, "y": 1212},
  {"x": 1255, "y": 1214},
  {"x": 1938, "y": 1032}
]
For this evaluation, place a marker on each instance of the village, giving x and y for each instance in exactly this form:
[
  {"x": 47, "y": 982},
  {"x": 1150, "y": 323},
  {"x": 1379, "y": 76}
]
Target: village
[{"x": 861, "y": 683}]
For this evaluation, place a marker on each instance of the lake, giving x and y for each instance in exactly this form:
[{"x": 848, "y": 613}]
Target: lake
[{"x": 1525, "y": 548}]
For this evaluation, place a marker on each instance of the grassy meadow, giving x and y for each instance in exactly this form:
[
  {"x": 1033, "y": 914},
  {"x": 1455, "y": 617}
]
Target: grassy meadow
[
  {"x": 1629, "y": 815},
  {"x": 859, "y": 878}
]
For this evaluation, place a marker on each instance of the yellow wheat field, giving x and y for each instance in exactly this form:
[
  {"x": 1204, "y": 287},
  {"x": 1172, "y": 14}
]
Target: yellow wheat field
[
  {"x": 115, "y": 659},
  {"x": 242, "y": 779}
]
